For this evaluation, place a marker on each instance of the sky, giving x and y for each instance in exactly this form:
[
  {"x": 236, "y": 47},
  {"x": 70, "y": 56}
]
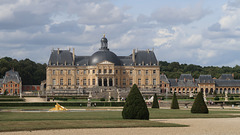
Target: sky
[{"x": 201, "y": 32}]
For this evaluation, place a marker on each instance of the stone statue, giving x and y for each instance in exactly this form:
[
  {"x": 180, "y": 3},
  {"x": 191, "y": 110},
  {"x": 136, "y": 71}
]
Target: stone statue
[{"x": 226, "y": 95}]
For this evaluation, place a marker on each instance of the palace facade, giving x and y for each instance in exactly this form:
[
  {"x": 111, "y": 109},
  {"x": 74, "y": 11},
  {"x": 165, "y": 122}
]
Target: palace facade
[
  {"x": 66, "y": 71},
  {"x": 186, "y": 84}
]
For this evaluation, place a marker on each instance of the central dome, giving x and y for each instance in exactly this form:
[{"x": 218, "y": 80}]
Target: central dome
[{"x": 104, "y": 54}]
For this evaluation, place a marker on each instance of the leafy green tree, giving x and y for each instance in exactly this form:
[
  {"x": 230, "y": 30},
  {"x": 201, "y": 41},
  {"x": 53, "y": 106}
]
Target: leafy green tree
[
  {"x": 135, "y": 106},
  {"x": 199, "y": 105},
  {"x": 174, "y": 104},
  {"x": 30, "y": 72},
  {"x": 155, "y": 101}
]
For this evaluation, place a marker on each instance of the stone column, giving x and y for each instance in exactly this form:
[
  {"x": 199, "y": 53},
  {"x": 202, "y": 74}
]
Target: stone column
[
  {"x": 102, "y": 82},
  {"x": 113, "y": 81},
  {"x": 97, "y": 81},
  {"x": 108, "y": 81}
]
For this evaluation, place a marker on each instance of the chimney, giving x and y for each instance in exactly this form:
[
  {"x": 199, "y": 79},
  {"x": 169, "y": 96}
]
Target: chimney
[
  {"x": 58, "y": 51},
  {"x": 193, "y": 80},
  {"x": 233, "y": 75},
  {"x": 184, "y": 79},
  {"x": 176, "y": 79},
  {"x": 73, "y": 56},
  {"x": 148, "y": 50},
  {"x": 133, "y": 56}
]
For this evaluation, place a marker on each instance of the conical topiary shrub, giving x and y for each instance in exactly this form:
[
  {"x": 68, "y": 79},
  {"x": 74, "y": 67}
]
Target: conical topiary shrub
[
  {"x": 135, "y": 106},
  {"x": 174, "y": 104},
  {"x": 199, "y": 105},
  {"x": 155, "y": 101}
]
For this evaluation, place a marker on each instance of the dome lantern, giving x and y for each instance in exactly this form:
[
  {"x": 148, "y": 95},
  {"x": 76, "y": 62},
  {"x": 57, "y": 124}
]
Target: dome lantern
[{"x": 104, "y": 43}]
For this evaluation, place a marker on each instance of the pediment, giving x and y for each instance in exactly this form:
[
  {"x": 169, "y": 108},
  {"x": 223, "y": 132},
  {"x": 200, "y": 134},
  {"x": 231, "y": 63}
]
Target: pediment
[{"x": 105, "y": 63}]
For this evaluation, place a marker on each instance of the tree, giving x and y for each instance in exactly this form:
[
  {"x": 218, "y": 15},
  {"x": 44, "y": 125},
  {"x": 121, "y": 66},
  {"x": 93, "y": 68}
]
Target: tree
[
  {"x": 174, "y": 104},
  {"x": 155, "y": 101},
  {"x": 199, "y": 105},
  {"x": 135, "y": 106}
]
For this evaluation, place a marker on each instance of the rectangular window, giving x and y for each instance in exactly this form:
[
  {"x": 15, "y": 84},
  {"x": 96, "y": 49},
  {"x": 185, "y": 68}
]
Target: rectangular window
[
  {"x": 61, "y": 81},
  {"x": 53, "y": 72},
  {"x": 146, "y": 72},
  {"x": 84, "y": 82},
  {"x": 77, "y": 82},
  {"x": 105, "y": 71},
  {"x": 124, "y": 71},
  {"x": 61, "y": 72},
  {"x": 69, "y": 72},
  {"x": 154, "y": 81},
  {"x": 110, "y": 71},
  {"x": 15, "y": 85},
  {"x": 99, "y": 71},
  {"x": 130, "y": 82},
  {"x": 93, "y": 81},
  {"x": 139, "y": 81},
  {"x": 93, "y": 71},
  {"x": 78, "y": 72},
  {"x": 146, "y": 81},
  {"x": 88, "y": 81},
  {"x": 139, "y": 72},
  {"x": 130, "y": 72},
  {"x": 116, "y": 71},
  {"x": 84, "y": 72},
  {"x": 124, "y": 81},
  {"x": 54, "y": 82},
  {"x": 154, "y": 71},
  {"x": 69, "y": 81}
]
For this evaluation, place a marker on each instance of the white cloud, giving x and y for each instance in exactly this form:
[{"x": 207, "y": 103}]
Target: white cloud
[{"x": 174, "y": 16}]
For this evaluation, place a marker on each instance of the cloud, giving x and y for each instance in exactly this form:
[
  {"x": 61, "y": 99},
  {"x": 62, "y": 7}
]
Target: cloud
[
  {"x": 33, "y": 28},
  {"x": 175, "y": 16}
]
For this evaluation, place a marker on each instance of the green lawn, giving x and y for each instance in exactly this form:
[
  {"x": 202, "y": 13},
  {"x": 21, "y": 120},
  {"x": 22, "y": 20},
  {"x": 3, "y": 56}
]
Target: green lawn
[{"x": 15, "y": 121}]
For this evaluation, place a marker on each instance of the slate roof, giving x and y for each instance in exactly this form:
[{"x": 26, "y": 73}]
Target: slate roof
[
  {"x": 182, "y": 83},
  {"x": 227, "y": 83},
  {"x": 186, "y": 76},
  {"x": 205, "y": 79},
  {"x": 148, "y": 57},
  {"x": 173, "y": 82},
  {"x": 11, "y": 76},
  {"x": 164, "y": 78},
  {"x": 81, "y": 60},
  {"x": 62, "y": 58},
  {"x": 226, "y": 77}
]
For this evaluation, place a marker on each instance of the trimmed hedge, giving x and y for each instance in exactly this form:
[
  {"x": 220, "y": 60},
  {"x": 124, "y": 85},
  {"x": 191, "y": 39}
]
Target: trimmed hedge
[
  {"x": 199, "y": 105},
  {"x": 3, "y": 96},
  {"x": 155, "y": 102},
  {"x": 22, "y": 104},
  {"x": 135, "y": 106},
  {"x": 11, "y": 99},
  {"x": 174, "y": 104}
]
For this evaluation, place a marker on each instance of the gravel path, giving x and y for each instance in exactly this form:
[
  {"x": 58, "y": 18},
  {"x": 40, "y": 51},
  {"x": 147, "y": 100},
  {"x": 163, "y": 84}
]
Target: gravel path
[{"x": 213, "y": 126}]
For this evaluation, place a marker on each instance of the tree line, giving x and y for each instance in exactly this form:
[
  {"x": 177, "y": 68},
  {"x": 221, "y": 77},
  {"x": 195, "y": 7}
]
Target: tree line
[
  {"x": 30, "y": 72},
  {"x": 33, "y": 73},
  {"x": 174, "y": 70}
]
